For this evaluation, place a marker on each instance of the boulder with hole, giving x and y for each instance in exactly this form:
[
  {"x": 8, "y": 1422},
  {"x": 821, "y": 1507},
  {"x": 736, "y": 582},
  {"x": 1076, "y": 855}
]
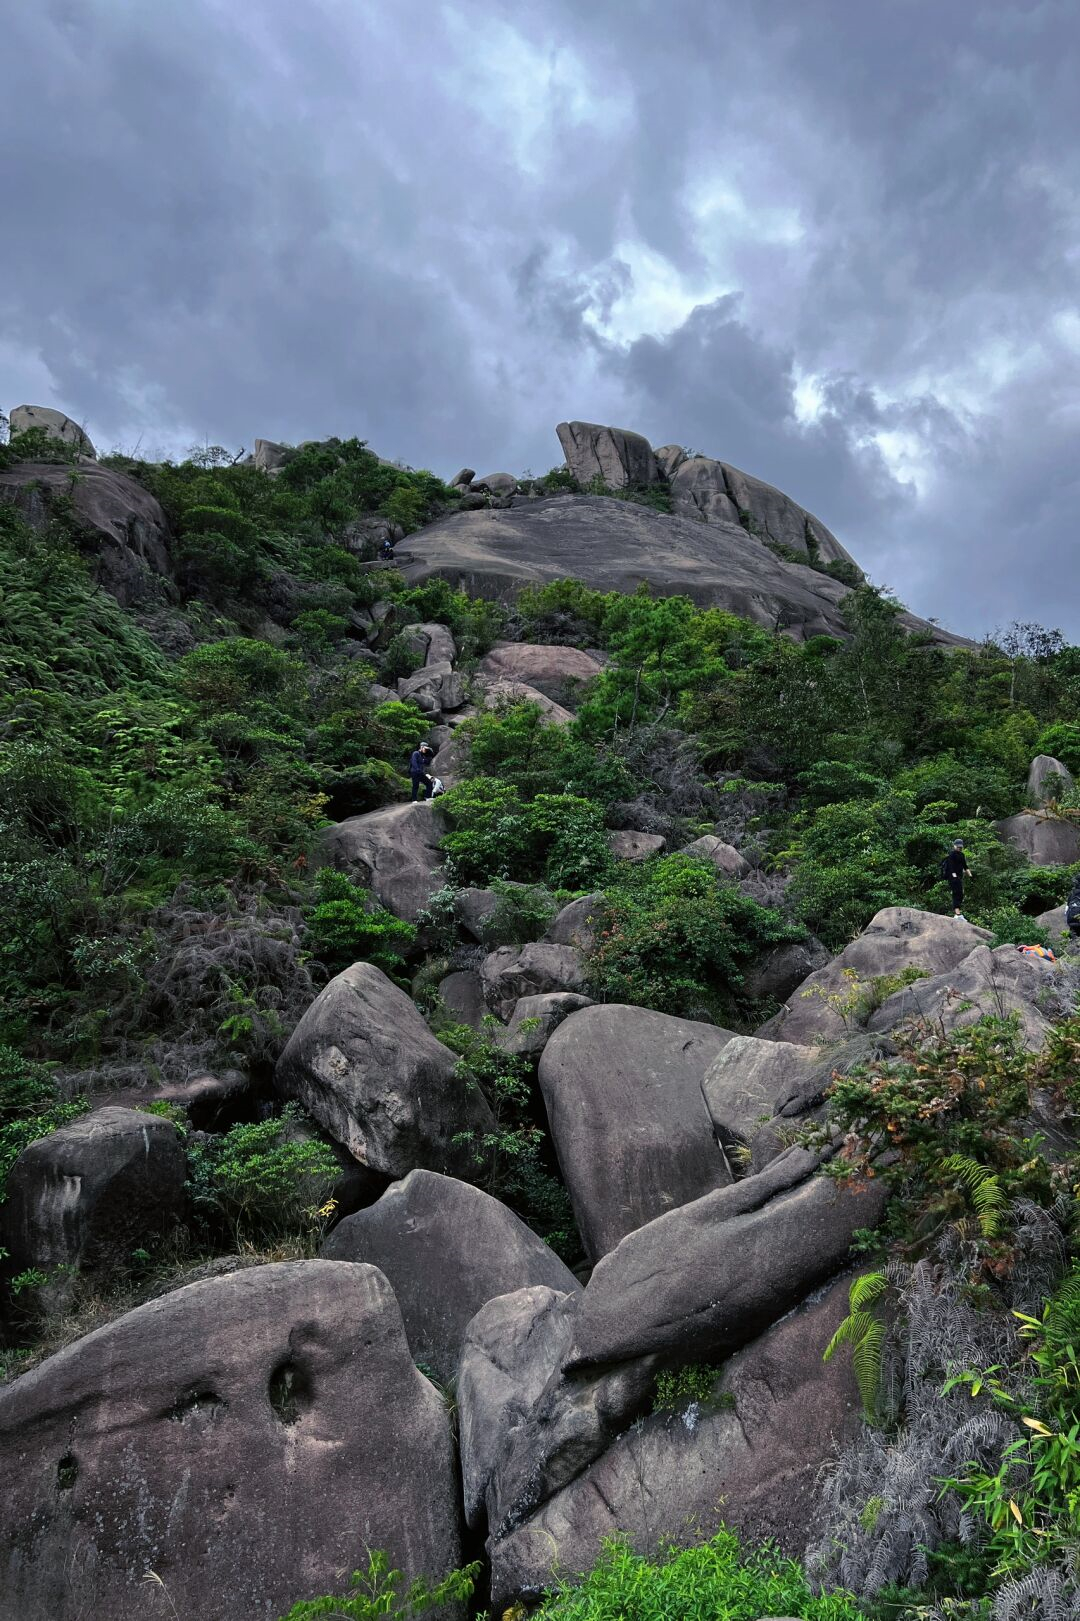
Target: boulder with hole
[
  {"x": 180, "y": 1461},
  {"x": 365, "y": 1066},
  {"x": 447, "y": 1249}
]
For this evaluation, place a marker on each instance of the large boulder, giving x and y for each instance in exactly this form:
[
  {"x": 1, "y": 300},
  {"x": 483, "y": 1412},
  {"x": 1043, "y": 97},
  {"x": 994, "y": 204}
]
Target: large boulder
[
  {"x": 365, "y": 1066},
  {"x": 577, "y": 923},
  {"x": 497, "y": 694},
  {"x": 719, "y": 493},
  {"x": 897, "y": 938},
  {"x": 750, "y": 1082},
  {"x": 778, "y": 1415},
  {"x": 87, "y": 1195},
  {"x": 435, "y": 688},
  {"x": 447, "y": 1249},
  {"x": 120, "y": 525},
  {"x": 432, "y": 642},
  {"x": 615, "y": 545},
  {"x": 535, "y": 1020},
  {"x": 394, "y": 850},
  {"x": 781, "y": 971},
  {"x": 622, "y": 1087},
  {"x": 555, "y": 671},
  {"x": 511, "y": 972},
  {"x": 707, "y": 1277},
  {"x": 496, "y": 484},
  {"x": 450, "y": 764},
  {"x": 1048, "y": 779},
  {"x": 724, "y": 857},
  {"x": 1054, "y": 922},
  {"x": 52, "y": 423},
  {"x": 618, "y": 458},
  {"x": 1046, "y": 841},
  {"x": 627, "y": 844},
  {"x": 669, "y": 458},
  {"x": 987, "y": 984},
  {"x": 191, "y": 1450},
  {"x": 474, "y": 909},
  {"x": 270, "y": 456},
  {"x": 462, "y": 995},
  {"x": 699, "y": 489}
]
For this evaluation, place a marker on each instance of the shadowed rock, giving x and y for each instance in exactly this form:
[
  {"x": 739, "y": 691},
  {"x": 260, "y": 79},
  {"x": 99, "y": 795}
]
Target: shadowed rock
[
  {"x": 1046, "y": 841},
  {"x": 987, "y": 984},
  {"x": 535, "y": 969}
]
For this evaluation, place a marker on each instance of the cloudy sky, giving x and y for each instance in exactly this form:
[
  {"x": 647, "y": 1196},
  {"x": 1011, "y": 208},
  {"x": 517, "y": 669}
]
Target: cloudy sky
[{"x": 837, "y": 244}]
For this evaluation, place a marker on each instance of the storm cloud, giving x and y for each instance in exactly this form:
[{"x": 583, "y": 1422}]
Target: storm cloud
[{"x": 837, "y": 245}]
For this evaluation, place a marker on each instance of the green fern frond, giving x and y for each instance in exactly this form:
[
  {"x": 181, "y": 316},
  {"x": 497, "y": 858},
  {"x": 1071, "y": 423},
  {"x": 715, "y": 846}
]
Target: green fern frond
[
  {"x": 865, "y": 1290},
  {"x": 866, "y": 1361},
  {"x": 983, "y": 1189}
]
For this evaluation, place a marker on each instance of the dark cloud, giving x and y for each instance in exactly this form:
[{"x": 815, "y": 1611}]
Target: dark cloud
[{"x": 835, "y": 244}]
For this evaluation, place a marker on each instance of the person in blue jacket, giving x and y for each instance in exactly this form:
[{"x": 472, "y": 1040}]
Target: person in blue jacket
[{"x": 418, "y": 771}]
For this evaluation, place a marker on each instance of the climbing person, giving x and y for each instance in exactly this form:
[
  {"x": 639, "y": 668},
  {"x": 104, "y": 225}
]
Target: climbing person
[
  {"x": 1072, "y": 909},
  {"x": 954, "y": 869},
  {"x": 418, "y": 770},
  {"x": 386, "y": 550}
]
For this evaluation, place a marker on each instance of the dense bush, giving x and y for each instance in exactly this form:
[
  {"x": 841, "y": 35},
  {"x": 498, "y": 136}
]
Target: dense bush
[
  {"x": 262, "y": 1180},
  {"x": 557, "y": 839},
  {"x": 347, "y": 925}
]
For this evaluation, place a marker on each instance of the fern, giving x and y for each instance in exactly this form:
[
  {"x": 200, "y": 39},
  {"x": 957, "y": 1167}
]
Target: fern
[
  {"x": 983, "y": 1189},
  {"x": 865, "y": 1333}
]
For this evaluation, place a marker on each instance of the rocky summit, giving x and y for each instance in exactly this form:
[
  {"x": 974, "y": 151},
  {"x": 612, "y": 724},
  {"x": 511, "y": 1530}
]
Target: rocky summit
[{"x": 498, "y": 1056}]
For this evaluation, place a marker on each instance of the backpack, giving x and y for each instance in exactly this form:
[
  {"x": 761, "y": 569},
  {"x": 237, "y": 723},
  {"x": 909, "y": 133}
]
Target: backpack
[
  {"x": 945, "y": 873},
  {"x": 1072, "y": 910}
]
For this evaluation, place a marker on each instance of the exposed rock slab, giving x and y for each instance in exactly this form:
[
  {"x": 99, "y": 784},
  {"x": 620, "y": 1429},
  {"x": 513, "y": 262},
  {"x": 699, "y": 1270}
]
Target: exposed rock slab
[
  {"x": 447, "y": 1249},
  {"x": 724, "y": 857},
  {"x": 751, "y": 1082},
  {"x": 627, "y": 844},
  {"x": 555, "y": 671},
  {"x": 752, "y": 1460},
  {"x": 987, "y": 984},
  {"x": 616, "y": 546},
  {"x": 619, "y": 458},
  {"x": 1047, "y": 841},
  {"x": 365, "y": 1065},
  {"x": 896, "y": 938},
  {"x": 622, "y": 1087},
  {"x": 122, "y": 527},
  {"x": 720, "y": 493},
  {"x": 202, "y": 1438},
  {"x": 54, "y": 423},
  {"x": 498, "y": 693},
  {"x": 394, "y": 850}
]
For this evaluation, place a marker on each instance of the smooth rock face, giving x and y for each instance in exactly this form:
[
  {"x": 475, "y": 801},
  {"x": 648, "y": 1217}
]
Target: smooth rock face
[
  {"x": 629, "y": 845},
  {"x": 496, "y": 484},
  {"x": 708, "y": 1277},
  {"x": 986, "y": 984},
  {"x": 616, "y": 546},
  {"x": 365, "y": 1065},
  {"x": 622, "y": 1087},
  {"x": 616, "y": 456},
  {"x": 473, "y": 909},
  {"x": 497, "y": 694},
  {"x": 576, "y": 925},
  {"x": 55, "y": 424},
  {"x": 755, "y": 1459},
  {"x": 270, "y": 456},
  {"x": 441, "y": 646},
  {"x": 462, "y": 994},
  {"x": 394, "y": 850},
  {"x": 203, "y": 1437},
  {"x": 90, "y": 1193},
  {"x": 724, "y": 857},
  {"x": 699, "y": 489},
  {"x": 751, "y": 1082},
  {"x": 1047, "y": 841},
  {"x": 669, "y": 458},
  {"x": 718, "y": 492},
  {"x": 121, "y": 524},
  {"x": 463, "y": 479},
  {"x": 451, "y": 762},
  {"x": 447, "y": 1249},
  {"x": 1054, "y": 923},
  {"x": 898, "y": 937},
  {"x": 535, "y": 1019},
  {"x": 530, "y": 970},
  {"x": 1048, "y": 779},
  {"x": 555, "y": 671}
]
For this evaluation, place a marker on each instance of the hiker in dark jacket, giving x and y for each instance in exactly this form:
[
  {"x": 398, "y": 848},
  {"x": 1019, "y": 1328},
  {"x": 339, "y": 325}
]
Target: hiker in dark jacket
[
  {"x": 955, "y": 869},
  {"x": 418, "y": 770},
  {"x": 1072, "y": 909}
]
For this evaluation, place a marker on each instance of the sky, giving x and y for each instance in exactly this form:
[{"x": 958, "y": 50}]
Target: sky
[{"x": 836, "y": 244}]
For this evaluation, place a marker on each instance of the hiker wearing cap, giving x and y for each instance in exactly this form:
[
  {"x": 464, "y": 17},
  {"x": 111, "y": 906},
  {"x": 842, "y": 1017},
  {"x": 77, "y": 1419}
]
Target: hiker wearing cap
[
  {"x": 954, "y": 868},
  {"x": 418, "y": 770}
]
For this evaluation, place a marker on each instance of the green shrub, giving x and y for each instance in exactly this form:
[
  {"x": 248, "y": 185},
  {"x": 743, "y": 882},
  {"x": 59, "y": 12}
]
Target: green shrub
[
  {"x": 30, "y": 1107},
  {"x": 685, "y": 1387},
  {"x": 347, "y": 925},
  {"x": 264, "y": 1180},
  {"x": 1062, "y": 740},
  {"x": 558, "y": 839},
  {"x": 1010, "y": 926},
  {"x": 715, "y": 1581},
  {"x": 379, "y": 1591}
]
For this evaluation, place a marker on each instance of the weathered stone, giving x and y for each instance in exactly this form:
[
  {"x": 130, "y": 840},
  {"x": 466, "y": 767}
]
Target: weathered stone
[
  {"x": 365, "y": 1065},
  {"x": 434, "y": 688},
  {"x": 87, "y": 1195},
  {"x": 707, "y": 1277},
  {"x": 669, "y": 458},
  {"x": 496, "y": 484},
  {"x": 473, "y": 909},
  {"x": 497, "y": 694},
  {"x": 779, "y": 1414},
  {"x": 1048, "y": 779},
  {"x": 618, "y": 458},
  {"x": 622, "y": 1087},
  {"x": 535, "y": 1020},
  {"x": 441, "y": 646},
  {"x": 752, "y": 1081},
  {"x": 576, "y": 925},
  {"x": 699, "y": 489},
  {"x": 270, "y": 457},
  {"x": 463, "y": 479},
  {"x": 394, "y": 850},
  {"x": 511, "y": 972},
  {"x": 447, "y": 1249},
  {"x": 557, "y": 672},
  {"x": 724, "y": 857},
  {"x": 1047, "y": 841},
  {"x": 627, "y": 844},
  {"x": 450, "y": 764},
  {"x": 54, "y": 423},
  {"x": 782, "y": 970},
  {"x": 121, "y": 526},
  {"x": 191, "y": 1449},
  {"x": 986, "y": 984},
  {"x": 898, "y": 937},
  {"x": 462, "y": 994},
  {"x": 615, "y": 545},
  {"x": 1054, "y": 923}
]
